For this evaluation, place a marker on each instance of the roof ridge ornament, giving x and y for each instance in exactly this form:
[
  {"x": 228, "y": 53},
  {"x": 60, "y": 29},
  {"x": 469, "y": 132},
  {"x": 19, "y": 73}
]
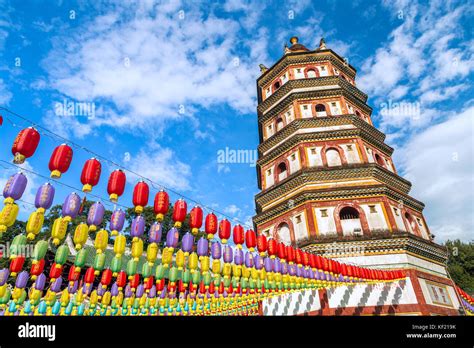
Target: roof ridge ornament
[{"x": 322, "y": 44}]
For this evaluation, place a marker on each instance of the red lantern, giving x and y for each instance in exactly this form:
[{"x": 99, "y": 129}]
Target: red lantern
[
  {"x": 344, "y": 269},
  {"x": 299, "y": 256},
  {"x": 319, "y": 262},
  {"x": 312, "y": 260},
  {"x": 140, "y": 196},
  {"x": 250, "y": 240},
  {"x": 16, "y": 265},
  {"x": 55, "y": 271},
  {"x": 224, "y": 230},
  {"x": 211, "y": 225},
  {"x": 262, "y": 244},
  {"x": 134, "y": 281},
  {"x": 116, "y": 184},
  {"x": 179, "y": 212},
  {"x": 73, "y": 274},
  {"x": 221, "y": 288},
  {"x": 106, "y": 278},
  {"x": 195, "y": 220},
  {"x": 160, "y": 284},
  {"x": 90, "y": 174},
  {"x": 148, "y": 283},
  {"x": 212, "y": 288},
  {"x": 161, "y": 205},
  {"x": 25, "y": 144},
  {"x": 290, "y": 254},
  {"x": 238, "y": 235},
  {"x": 272, "y": 247},
  {"x": 281, "y": 251},
  {"x": 202, "y": 287},
  {"x": 121, "y": 279},
  {"x": 60, "y": 160},
  {"x": 37, "y": 268},
  {"x": 90, "y": 275},
  {"x": 306, "y": 262}
]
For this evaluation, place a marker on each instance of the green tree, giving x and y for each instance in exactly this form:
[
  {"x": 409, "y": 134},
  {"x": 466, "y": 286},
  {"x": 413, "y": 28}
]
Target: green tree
[{"x": 461, "y": 264}]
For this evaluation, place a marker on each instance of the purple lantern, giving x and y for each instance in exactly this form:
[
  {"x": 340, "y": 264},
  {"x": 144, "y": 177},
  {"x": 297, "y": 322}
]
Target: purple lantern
[
  {"x": 22, "y": 279},
  {"x": 40, "y": 282},
  {"x": 292, "y": 269},
  {"x": 277, "y": 266},
  {"x": 284, "y": 268},
  {"x": 101, "y": 291},
  {"x": 187, "y": 243},
  {"x": 71, "y": 206},
  {"x": 56, "y": 286},
  {"x": 140, "y": 290},
  {"x": 258, "y": 260},
  {"x": 117, "y": 221},
  {"x": 238, "y": 257},
  {"x": 154, "y": 235},
  {"x": 172, "y": 238},
  {"x": 4, "y": 273},
  {"x": 72, "y": 287},
  {"x": 202, "y": 247},
  {"x": 44, "y": 196},
  {"x": 128, "y": 291},
  {"x": 268, "y": 263},
  {"x": 114, "y": 289},
  {"x": 152, "y": 292},
  {"x": 300, "y": 271},
  {"x": 95, "y": 215},
  {"x": 248, "y": 259},
  {"x": 138, "y": 227},
  {"x": 14, "y": 187},
  {"x": 228, "y": 254},
  {"x": 216, "y": 250}
]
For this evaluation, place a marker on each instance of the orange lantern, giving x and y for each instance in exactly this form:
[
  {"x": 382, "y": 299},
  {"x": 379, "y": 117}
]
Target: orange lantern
[
  {"x": 195, "y": 220},
  {"x": 60, "y": 160},
  {"x": 141, "y": 193},
  {"x": 116, "y": 184},
  {"x": 211, "y": 225},
  {"x": 224, "y": 230},
  {"x": 90, "y": 174},
  {"x": 161, "y": 205},
  {"x": 25, "y": 144},
  {"x": 238, "y": 235},
  {"x": 179, "y": 212},
  {"x": 250, "y": 240}
]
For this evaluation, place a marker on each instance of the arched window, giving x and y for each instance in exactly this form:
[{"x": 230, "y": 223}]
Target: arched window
[
  {"x": 283, "y": 232},
  {"x": 279, "y": 122},
  {"x": 311, "y": 73},
  {"x": 350, "y": 221},
  {"x": 343, "y": 77},
  {"x": 333, "y": 158},
  {"x": 321, "y": 110},
  {"x": 281, "y": 171},
  {"x": 379, "y": 160},
  {"x": 276, "y": 85},
  {"x": 358, "y": 114}
]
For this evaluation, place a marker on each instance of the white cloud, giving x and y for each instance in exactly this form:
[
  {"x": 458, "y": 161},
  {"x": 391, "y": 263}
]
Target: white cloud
[
  {"x": 5, "y": 94},
  {"x": 439, "y": 162},
  {"x": 161, "y": 166},
  {"x": 232, "y": 210}
]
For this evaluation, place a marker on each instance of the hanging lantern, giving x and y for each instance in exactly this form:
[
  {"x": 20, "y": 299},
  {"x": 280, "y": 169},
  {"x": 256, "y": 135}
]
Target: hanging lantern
[
  {"x": 137, "y": 249},
  {"x": 224, "y": 230},
  {"x": 187, "y": 243},
  {"x": 14, "y": 187},
  {"x": 138, "y": 227},
  {"x": 116, "y": 185},
  {"x": 172, "y": 238},
  {"x": 106, "y": 278},
  {"x": 262, "y": 244},
  {"x": 119, "y": 245},
  {"x": 16, "y": 265},
  {"x": 161, "y": 205},
  {"x": 179, "y": 212},
  {"x": 95, "y": 216},
  {"x": 8, "y": 217},
  {"x": 59, "y": 229},
  {"x": 37, "y": 268},
  {"x": 81, "y": 234},
  {"x": 101, "y": 241},
  {"x": 238, "y": 235},
  {"x": 154, "y": 235},
  {"x": 25, "y": 144},
  {"x": 195, "y": 220},
  {"x": 60, "y": 160},
  {"x": 141, "y": 193},
  {"x": 71, "y": 206},
  {"x": 90, "y": 174},
  {"x": 44, "y": 197},
  {"x": 117, "y": 220},
  {"x": 272, "y": 248},
  {"x": 211, "y": 225},
  {"x": 250, "y": 240}
]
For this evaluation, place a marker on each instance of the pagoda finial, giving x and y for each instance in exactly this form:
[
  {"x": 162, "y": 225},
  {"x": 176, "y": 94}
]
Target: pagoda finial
[
  {"x": 294, "y": 40},
  {"x": 263, "y": 68},
  {"x": 322, "y": 44}
]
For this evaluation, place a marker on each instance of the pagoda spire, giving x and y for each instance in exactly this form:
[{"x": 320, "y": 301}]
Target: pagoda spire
[{"x": 322, "y": 44}]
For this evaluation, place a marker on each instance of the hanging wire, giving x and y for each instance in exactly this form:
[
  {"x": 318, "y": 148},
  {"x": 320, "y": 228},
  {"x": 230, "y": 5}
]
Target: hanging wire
[{"x": 105, "y": 159}]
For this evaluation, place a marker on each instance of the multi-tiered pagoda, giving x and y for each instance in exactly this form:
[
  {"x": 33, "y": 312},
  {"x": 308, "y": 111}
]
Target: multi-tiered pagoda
[{"x": 327, "y": 179}]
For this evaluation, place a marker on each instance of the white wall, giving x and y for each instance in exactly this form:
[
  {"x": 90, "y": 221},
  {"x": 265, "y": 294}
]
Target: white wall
[
  {"x": 269, "y": 178},
  {"x": 314, "y": 159},
  {"x": 352, "y": 155},
  {"x": 326, "y": 225},
  {"x": 306, "y": 113},
  {"x": 294, "y": 164},
  {"x": 376, "y": 220}
]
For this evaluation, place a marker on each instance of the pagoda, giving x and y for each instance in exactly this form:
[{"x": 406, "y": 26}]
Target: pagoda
[{"x": 328, "y": 183}]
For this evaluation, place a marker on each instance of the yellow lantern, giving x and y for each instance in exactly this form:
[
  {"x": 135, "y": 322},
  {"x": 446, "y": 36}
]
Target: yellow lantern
[
  {"x": 8, "y": 216},
  {"x": 93, "y": 298},
  {"x": 34, "y": 224},
  {"x": 167, "y": 256},
  {"x": 119, "y": 245},
  {"x": 205, "y": 263},
  {"x": 80, "y": 235},
  {"x": 151, "y": 253},
  {"x": 180, "y": 259},
  {"x": 106, "y": 298},
  {"x": 216, "y": 266},
  {"x": 193, "y": 262},
  {"x": 59, "y": 230},
  {"x": 137, "y": 249},
  {"x": 101, "y": 240}
]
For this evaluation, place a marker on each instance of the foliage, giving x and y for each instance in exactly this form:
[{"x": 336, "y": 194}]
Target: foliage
[{"x": 461, "y": 264}]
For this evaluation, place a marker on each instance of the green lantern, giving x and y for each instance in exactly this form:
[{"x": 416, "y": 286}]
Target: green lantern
[
  {"x": 61, "y": 254},
  {"x": 39, "y": 252},
  {"x": 116, "y": 264},
  {"x": 99, "y": 262},
  {"x": 132, "y": 267},
  {"x": 146, "y": 270},
  {"x": 81, "y": 257}
]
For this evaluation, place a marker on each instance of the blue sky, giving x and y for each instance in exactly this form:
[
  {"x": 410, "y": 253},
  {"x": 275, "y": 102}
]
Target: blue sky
[{"x": 173, "y": 83}]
